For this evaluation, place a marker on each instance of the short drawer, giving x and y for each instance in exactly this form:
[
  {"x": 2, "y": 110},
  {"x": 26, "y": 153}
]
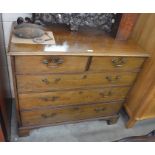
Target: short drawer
[
  {"x": 71, "y": 113},
  {"x": 38, "y": 83},
  {"x": 49, "y": 64},
  {"x": 113, "y": 63},
  {"x": 71, "y": 97}
]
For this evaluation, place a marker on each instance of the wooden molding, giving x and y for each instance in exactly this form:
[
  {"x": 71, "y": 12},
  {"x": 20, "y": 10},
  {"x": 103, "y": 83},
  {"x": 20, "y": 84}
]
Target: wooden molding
[{"x": 126, "y": 25}]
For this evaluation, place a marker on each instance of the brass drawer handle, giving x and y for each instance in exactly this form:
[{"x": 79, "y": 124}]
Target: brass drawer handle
[
  {"x": 53, "y": 98},
  {"x": 75, "y": 108},
  {"x": 45, "y": 81},
  {"x": 118, "y": 62},
  {"x": 102, "y": 94},
  {"x": 84, "y": 77},
  {"x": 80, "y": 92},
  {"x": 53, "y": 62},
  {"x": 45, "y": 62},
  {"x": 109, "y": 93},
  {"x": 113, "y": 79},
  {"x": 57, "y": 60},
  {"x": 99, "y": 109},
  {"x": 57, "y": 80},
  {"x": 48, "y": 116}
]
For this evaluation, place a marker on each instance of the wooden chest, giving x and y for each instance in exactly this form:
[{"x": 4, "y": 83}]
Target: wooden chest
[{"x": 88, "y": 80}]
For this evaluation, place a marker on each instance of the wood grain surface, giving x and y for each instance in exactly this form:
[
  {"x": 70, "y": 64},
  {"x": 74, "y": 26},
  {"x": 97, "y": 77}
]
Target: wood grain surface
[
  {"x": 71, "y": 113},
  {"x": 117, "y": 63},
  {"x": 141, "y": 99},
  {"x": 50, "y": 82},
  {"x": 49, "y": 64},
  {"x": 85, "y": 43},
  {"x": 71, "y": 97}
]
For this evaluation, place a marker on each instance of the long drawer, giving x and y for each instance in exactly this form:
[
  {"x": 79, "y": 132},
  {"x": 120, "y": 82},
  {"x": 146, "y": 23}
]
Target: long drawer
[
  {"x": 35, "y": 83},
  {"x": 72, "y": 113},
  {"x": 71, "y": 97},
  {"x": 50, "y": 64},
  {"x": 116, "y": 63}
]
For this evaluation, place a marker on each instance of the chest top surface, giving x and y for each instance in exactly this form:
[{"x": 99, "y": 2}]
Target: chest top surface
[{"x": 86, "y": 42}]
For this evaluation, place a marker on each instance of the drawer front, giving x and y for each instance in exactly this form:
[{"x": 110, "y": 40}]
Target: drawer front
[
  {"x": 113, "y": 63},
  {"x": 37, "y": 83},
  {"x": 49, "y": 64},
  {"x": 71, "y": 113},
  {"x": 74, "y": 97}
]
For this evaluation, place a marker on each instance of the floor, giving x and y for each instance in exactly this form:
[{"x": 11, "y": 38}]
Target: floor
[{"x": 92, "y": 131}]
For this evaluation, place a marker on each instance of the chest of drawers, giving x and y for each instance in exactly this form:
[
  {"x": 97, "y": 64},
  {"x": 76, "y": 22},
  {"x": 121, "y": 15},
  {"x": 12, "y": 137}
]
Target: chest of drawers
[{"x": 88, "y": 80}]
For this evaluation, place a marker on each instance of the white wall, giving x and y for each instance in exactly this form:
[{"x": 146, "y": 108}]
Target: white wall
[{"x": 8, "y": 18}]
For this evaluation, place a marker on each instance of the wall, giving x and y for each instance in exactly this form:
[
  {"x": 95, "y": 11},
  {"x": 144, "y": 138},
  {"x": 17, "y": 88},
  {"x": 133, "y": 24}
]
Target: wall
[
  {"x": 8, "y": 18},
  {"x": 3, "y": 59},
  {"x": 5, "y": 93}
]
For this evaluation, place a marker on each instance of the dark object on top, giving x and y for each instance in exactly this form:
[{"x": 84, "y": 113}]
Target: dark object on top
[
  {"x": 21, "y": 20},
  {"x": 104, "y": 21},
  {"x": 30, "y": 25},
  {"x": 28, "y": 20},
  {"x": 28, "y": 31},
  {"x": 150, "y": 137}
]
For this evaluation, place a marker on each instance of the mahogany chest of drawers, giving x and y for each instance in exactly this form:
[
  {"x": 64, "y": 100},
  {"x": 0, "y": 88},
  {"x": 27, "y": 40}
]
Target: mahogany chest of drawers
[{"x": 90, "y": 79}]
